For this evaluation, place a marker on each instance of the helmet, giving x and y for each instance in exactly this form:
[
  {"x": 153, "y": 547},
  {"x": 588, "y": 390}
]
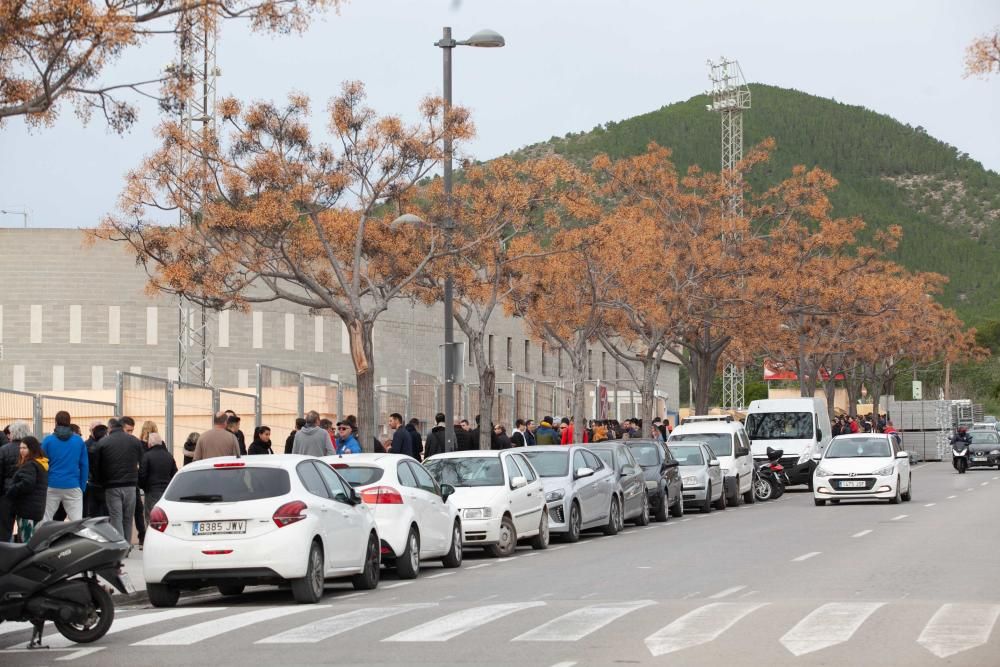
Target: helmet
[{"x": 962, "y": 429}]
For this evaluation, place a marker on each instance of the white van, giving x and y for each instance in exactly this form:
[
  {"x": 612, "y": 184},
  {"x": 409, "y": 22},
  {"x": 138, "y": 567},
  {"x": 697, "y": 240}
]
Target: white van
[{"x": 798, "y": 426}]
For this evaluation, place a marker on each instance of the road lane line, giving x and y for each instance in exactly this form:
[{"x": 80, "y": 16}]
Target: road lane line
[
  {"x": 579, "y": 623},
  {"x": 397, "y": 585},
  {"x": 476, "y": 567},
  {"x": 81, "y": 653},
  {"x": 897, "y": 518},
  {"x": 833, "y": 623},
  {"x": 807, "y": 556},
  {"x": 441, "y": 574},
  {"x": 726, "y": 593},
  {"x": 193, "y": 634},
  {"x": 138, "y": 621},
  {"x": 564, "y": 664},
  {"x": 958, "y": 627},
  {"x": 996, "y": 478},
  {"x": 861, "y": 534},
  {"x": 700, "y": 626},
  {"x": 561, "y": 546},
  {"x": 952, "y": 497},
  {"x": 351, "y": 595},
  {"x": 311, "y": 633},
  {"x": 446, "y": 627},
  {"x": 984, "y": 483},
  {"x": 930, "y": 504}
]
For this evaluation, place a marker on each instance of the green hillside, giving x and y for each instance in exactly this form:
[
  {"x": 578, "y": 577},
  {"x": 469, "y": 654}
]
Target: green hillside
[{"x": 890, "y": 173}]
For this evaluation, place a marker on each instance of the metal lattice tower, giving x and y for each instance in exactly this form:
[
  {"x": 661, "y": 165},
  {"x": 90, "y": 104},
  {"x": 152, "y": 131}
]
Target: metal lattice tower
[
  {"x": 197, "y": 39},
  {"x": 730, "y": 96}
]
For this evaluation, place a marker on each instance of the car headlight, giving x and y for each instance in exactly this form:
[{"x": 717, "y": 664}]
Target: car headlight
[
  {"x": 91, "y": 534},
  {"x": 690, "y": 480},
  {"x": 995, "y": 452},
  {"x": 823, "y": 472},
  {"x": 885, "y": 471},
  {"x": 553, "y": 496},
  {"x": 477, "y": 513}
]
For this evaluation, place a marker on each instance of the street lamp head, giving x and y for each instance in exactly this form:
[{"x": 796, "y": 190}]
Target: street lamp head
[{"x": 486, "y": 38}]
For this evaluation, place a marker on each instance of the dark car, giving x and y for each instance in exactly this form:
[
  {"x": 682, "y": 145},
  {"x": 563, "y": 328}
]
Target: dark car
[
  {"x": 985, "y": 449},
  {"x": 631, "y": 483},
  {"x": 663, "y": 481}
]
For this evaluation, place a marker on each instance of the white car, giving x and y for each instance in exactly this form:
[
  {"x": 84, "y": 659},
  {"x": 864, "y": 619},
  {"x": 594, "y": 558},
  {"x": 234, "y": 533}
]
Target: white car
[
  {"x": 414, "y": 518},
  {"x": 862, "y": 466},
  {"x": 729, "y": 442},
  {"x": 232, "y": 522},
  {"x": 500, "y": 496}
]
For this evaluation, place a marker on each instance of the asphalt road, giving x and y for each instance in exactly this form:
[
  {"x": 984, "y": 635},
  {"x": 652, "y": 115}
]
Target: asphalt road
[{"x": 779, "y": 583}]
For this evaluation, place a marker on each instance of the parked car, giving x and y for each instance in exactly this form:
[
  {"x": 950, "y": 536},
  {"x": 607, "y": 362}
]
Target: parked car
[
  {"x": 579, "y": 488},
  {"x": 731, "y": 446},
  {"x": 990, "y": 427},
  {"x": 701, "y": 475},
  {"x": 500, "y": 496},
  {"x": 985, "y": 449},
  {"x": 232, "y": 522},
  {"x": 632, "y": 500},
  {"x": 862, "y": 466},
  {"x": 663, "y": 481},
  {"x": 414, "y": 518}
]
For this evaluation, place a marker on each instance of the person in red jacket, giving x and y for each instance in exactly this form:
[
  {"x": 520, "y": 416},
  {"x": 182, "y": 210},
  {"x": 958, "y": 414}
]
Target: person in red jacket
[{"x": 566, "y": 432}]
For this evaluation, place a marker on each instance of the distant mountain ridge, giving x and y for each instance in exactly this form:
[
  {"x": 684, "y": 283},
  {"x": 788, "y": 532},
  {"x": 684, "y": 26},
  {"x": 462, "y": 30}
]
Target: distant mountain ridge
[{"x": 890, "y": 173}]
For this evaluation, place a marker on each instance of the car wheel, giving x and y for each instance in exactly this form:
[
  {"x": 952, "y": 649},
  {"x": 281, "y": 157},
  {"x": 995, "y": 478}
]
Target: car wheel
[
  {"x": 762, "y": 489},
  {"x": 309, "y": 589},
  {"x": 749, "y": 498},
  {"x": 643, "y": 518},
  {"x": 368, "y": 578},
  {"x": 736, "y": 498},
  {"x": 909, "y": 491},
  {"x": 677, "y": 509},
  {"x": 706, "y": 505},
  {"x": 231, "y": 589},
  {"x": 575, "y": 523},
  {"x": 161, "y": 595},
  {"x": 613, "y": 515},
  {"x": 662, "y": 513},
  {"x": 454, "y": 556},
  {"x": 408, "y": 563},
  {"x": 818, "y": 502},
  {"x": 896, "y": 498},
  {"x": 720, "y": 504},
  {"x": 507, "y": 543},
  {"x": 541, "y": 540}
]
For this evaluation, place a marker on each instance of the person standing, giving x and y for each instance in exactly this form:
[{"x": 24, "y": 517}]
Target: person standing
[
  {"x": 155, "y": 472},
  {"x": 261, "y": 441},
  {"x": 233, "y": 426},
  {"x": 290, "y": 440},
  {"x": 118, "y": 458},
  {"x": 435, "y": 441},
  {"x": 93, "y": 497},
  {"x": 500, "y": 439},
  {"x": 529, "y": 433},
  {"x": 68, "y": 469},
  {"x": 546, "y": 435},
  {"x": 28, "y": 492},
  {"x": 139, "y": 511},
  {"x": 417, "y": 442},
  {"x": 218, "y": 441},
  {"x": 10, "y": 461},
  {"x": 346, "y": 442},
  {"x": 401, "y": 441},
  {"x": 517, "y": 437},
  {"x": 312, "y": 440},
  {"x": 189, "y": 446}
]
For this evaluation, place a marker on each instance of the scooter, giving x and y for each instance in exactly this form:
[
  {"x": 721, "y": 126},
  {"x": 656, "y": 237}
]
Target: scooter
[
  {"x": 771, "y": 478},
  {"x": 960, "y": 457},
  {"x": 54, "y": 578}
]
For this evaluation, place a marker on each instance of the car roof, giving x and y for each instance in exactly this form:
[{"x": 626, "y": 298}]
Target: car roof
[
  {"x": 860, "y": 436},
  {"x": 707, "y": 427},
  {"x": 367, "y": 457},
  {"x": 470, "y": 453},
  {"x": 286, "y": 461},
  {"x": 548, "y": 448}
]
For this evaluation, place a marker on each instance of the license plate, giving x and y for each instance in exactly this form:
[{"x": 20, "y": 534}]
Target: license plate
[
  {"x": 979, "y": 458},
  {"x": 219, "y": 528},
  {"x": 127, "y": 582},
  {"x": 856, "y": 484}
]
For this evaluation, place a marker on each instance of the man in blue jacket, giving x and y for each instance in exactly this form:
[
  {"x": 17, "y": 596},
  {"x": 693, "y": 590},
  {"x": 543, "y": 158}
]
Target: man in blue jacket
[{"x": 68, "y": 469}]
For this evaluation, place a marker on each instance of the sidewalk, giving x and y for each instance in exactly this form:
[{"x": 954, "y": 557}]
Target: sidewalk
[{"x": 133, "y": 568}]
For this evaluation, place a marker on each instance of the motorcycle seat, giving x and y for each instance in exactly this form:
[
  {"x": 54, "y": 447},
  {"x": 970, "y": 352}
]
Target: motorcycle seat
[{"x": 12, "y": 554}]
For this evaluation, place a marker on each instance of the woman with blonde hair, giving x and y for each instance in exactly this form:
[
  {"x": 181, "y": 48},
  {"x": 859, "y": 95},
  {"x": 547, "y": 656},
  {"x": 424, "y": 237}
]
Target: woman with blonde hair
[{"x": 147, "y": 428}]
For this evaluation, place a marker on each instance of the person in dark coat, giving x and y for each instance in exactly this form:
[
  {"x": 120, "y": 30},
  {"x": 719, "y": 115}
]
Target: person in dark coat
[
  {"x": 189, "y": 446},
  {"x": 30, "y": 486},
  {"x": 435, "y": 441},
  {"x": 155, "y": 472},
  {"x": 463, "y": 438},
  {"x": 93, "y": 497},
  {"x": 10, "y": 460},
  {"x": 233, "y": 426},
  {"x": 261, "y": 441},
  {"x": 290, "y": 440},
  {"x": 402, "y": 443},
  {"x": 118, "y": 458},
  {"x": 500, "y": 439},
  {"x": 415, "y": 438}
]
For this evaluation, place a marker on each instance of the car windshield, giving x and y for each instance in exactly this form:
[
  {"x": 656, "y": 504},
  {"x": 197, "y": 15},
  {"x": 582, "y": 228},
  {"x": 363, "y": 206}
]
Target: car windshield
[
  {"x": 688, "y": 455},
  {"x": 720, "y": 443},
  {"x": 359, "y": 475},
  {"x": 228, "y": 485},
  {"x": 984, "y": 437},
  {"x": 471, "y": 471},
  {"x": 647, "y": 454},
  {"x": 850, "y": 448},
  {"x": 780, "y": 425},
  {"x": 549, "y": 464}
]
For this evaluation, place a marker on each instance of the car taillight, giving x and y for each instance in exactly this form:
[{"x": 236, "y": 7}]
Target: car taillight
[
  {"x": 235, "y": 464},
  {"x": 158, "y": 519},
  {"x": 289, "y": 513},
  {"x": 382, "y": 495},
  {"x": 339, "y": 466}
]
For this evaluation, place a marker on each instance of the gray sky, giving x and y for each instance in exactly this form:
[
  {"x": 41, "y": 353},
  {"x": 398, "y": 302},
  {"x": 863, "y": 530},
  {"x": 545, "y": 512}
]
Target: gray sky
[{"x": 568, "y": 65}]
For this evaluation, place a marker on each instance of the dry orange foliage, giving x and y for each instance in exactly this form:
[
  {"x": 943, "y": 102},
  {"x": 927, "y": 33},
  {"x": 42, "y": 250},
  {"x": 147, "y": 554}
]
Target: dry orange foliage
[{"x": 982, "y": 56}]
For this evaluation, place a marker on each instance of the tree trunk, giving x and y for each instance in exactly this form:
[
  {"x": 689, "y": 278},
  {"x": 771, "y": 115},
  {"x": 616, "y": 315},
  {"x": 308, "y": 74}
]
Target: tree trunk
[
  {"x": 876, "y": 390},
  {"x": 830, "y": 389},
  {"x": 487, "y": 389},
  {"x": 360, "y": 333},
  {"x": 701, "y": 366},
  {"x": 647, "y": 390},
  {"x": 579, "y": 383}
]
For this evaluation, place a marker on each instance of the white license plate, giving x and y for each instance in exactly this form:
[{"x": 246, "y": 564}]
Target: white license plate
[
  {"x": 980, "y": 458},
  {"x": 219, "y": 527},
  {"x": 852, "y": 484}
]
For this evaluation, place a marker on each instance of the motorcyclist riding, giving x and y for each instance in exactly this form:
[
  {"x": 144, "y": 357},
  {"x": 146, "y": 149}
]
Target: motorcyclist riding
[{"x": 960, "y": 443}]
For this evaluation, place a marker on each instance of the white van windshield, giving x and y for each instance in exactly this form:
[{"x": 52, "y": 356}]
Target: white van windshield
[{"x": 780, "y": 426}]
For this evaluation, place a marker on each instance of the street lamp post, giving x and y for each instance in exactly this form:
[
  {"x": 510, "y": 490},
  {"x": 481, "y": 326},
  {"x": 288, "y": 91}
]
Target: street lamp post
[{"x": 483, "y": 38}]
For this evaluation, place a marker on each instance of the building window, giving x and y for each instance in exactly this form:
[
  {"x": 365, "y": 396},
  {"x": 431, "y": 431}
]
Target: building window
[
  {"x": 590, "y": 363},
  {"x": 152, "y": 326},
  {"x": 468, "y": 347},
  {"x": 604, "y": 364},
  {"x": 544, "y": 354},
  {"x": 489, "y": 350},
  {"x": 617, "y": 367},
  {"x": 527, "y": 356},
  {"x": 257, "y": 330},
  {"x": 559, "y": 365},
  {"x": 510, "y": 353}
]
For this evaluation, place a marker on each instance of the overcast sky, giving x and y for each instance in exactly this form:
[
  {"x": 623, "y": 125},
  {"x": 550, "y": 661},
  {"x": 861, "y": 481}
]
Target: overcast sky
[{"x": 568, "y": 65}]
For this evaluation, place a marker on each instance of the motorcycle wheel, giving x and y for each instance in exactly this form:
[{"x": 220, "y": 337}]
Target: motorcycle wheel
[
  {"x": 779, "y": 488},
  {"x": 98, "y": 621},
  {"x": 762, "y": 489}
]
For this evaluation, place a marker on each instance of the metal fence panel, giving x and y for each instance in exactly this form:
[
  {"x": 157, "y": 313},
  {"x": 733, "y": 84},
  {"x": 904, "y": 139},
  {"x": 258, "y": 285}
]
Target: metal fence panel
[
  {"x": 458, "y": 401},
  {"x": 241, "y": 403},
  {"x": 422, "y": 398},
  {"x": 280, "y": 399},
  {"x": 524, "y": 398},
  {"x": 193, "y": 409},
  {"x": 324, "y": 396},
  {"x": 563, "y": 402},
  {"x": 82, "y": 411},
  {"x": 146, "y": 398},
  {"x": 546, "y": 403},
  {"x": 388, "y": 399},
  {"x": 17, "y": 406}
]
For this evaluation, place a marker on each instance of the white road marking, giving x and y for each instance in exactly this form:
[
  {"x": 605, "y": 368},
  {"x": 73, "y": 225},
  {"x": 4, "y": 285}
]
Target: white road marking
[
  {"x": 951, "y": 497},
  {"x": 446, "y": 627},
  {"x": 81, "y": 653},
  {"x": 897, "y": 518},
  {"x": 579, "y": 623},
  {"x": 930, "y": 504},
  {"x": 726, "y": 593},
  {"x": 651, "y": 527},
  {"x": 807, "y": 556},
  {"x": 564, "y": 664},
  {"x": 829, "y": 625},
  {"x": 687, "y": 519},
  {"x": 137, "y": 621},
  {"x": 476, "y": 567},
  {"x": 970, "y": 489},
  {"x": 396, "y": 585},
  {"x": 489, "y": 597},
  {"x": 351, "y": 595},
  {"x": 561, "y": 546},
  {"x": 531, "y": 553},
  {"x": 984, "y": 483},
  {"x": 748, "y": 594},
  {"x": 10, "y": 626},
  {"x": 588, "y": 596},
  {"x": 958, "y": 627},
  {"x": 861, "y": 534},
  {"x": 310, "y": 633},
  {"x": 698, "y": 627},
  {"x": 645, "y": 567},
  {"x": 996, "y": 478},
  {"x": 193, "y": 634},
  {"x": 441, "y": 574}
]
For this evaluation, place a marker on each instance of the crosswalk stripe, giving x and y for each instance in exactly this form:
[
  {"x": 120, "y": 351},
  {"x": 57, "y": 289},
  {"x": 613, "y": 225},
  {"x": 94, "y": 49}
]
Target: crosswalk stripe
[
  {"x": 698, "y": 627},
  {"x": 579, "y": 623},
  {"x": 726, "y": 593},
  {"x": 201, "y": 631},
  {"x": 958, "y": 627},
  {"x": 452, "y": 625},
  {"x": 829, "y": 625},
  {"x": 138, "y": 621},
  {"x": 325, "y": 628},
  {"x": 11, "y": 626}
]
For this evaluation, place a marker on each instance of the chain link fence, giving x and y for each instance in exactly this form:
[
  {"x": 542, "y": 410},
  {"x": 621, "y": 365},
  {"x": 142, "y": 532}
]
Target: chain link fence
[
  {"x": 422, "y": 398},
  {"x": 17, "y": 406},
  {"x": 193, "y": 410},
  {"x": 82, "y": 411},
  {"x": 389, "y": 398},
  {"x": 147, "y": 398},
  {"x": 280, "y": 399}
]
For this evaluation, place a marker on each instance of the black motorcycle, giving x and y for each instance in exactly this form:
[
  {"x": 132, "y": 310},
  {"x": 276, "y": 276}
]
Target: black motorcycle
[
  {"x": 960, "y": 456},
  {"x": 54, "y": 578},
  {"x": 771, "y": 478}
]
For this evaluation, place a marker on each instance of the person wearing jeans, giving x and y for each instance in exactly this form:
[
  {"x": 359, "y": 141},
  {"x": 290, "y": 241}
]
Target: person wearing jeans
[
  {"x": 68, "y": 469},
  {"x": 118, "y": 459}
]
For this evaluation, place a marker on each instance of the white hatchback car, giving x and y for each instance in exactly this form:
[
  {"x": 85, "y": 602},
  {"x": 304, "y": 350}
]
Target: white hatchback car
[
  {"x": 500, "y": 496},
  {"x": 232, "y": 522},
  {"x": 862, "y": 466},
  {"x": 414, "y": 518}
]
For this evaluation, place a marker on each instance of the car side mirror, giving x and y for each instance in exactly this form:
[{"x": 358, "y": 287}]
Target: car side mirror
[
  {"x": 714, "y": 463},
  {"x": 742, "y": 451},
  {"x": 817, "y": 456},
  {"x": 354, "y": 497},
  {"x": 446, "y": 491},
  {"x": 902, "y": 455},
  {"x": 670, "y": 464},
  {"x": 518, "y": 483},
  {"x": 583, "y": 472}
]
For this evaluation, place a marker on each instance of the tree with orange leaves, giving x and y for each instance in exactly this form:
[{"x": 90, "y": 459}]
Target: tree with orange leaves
[
  {"x": 58, "y": 50},
  {"x": 982, "y": 57},
  {"x": 274, "y": 215}
]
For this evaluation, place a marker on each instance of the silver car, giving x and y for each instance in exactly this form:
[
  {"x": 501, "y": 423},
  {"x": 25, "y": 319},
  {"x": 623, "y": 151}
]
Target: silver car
[
  {"x": 700, "y": 475},
  {"x": 578, "y": 487}
]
